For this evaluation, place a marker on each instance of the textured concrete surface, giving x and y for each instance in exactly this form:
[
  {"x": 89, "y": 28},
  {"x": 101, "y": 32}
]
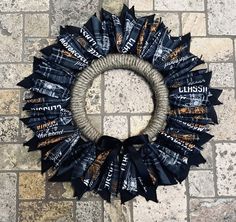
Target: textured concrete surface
[{"x": 209, "y": 193}]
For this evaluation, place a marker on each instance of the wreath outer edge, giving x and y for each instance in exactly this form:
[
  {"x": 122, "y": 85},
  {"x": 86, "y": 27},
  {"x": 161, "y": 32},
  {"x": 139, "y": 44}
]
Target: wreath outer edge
[{"x": 109, "y": 166}]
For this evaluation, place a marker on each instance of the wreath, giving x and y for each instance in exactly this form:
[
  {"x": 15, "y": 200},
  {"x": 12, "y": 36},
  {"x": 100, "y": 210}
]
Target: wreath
[{"x": 75, "y": 151}]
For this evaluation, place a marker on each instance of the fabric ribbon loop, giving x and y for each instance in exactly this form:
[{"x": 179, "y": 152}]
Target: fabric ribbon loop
[
  {"x": 107, "y": 142},
  {"x": 129, "y": 146}
]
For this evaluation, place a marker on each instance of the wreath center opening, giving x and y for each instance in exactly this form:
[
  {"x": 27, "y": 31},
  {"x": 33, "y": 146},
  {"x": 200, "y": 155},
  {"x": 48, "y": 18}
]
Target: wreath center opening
[{"x": 121, "y": 101}]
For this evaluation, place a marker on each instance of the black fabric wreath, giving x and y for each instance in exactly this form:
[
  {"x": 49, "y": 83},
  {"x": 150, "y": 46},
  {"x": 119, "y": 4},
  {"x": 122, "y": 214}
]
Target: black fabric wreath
[{"x": 162, "y": 153}]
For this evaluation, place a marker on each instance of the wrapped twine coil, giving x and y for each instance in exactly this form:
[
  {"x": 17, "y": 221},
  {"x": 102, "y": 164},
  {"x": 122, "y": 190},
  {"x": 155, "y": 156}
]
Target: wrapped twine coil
[{"x": 120, "y": 61}]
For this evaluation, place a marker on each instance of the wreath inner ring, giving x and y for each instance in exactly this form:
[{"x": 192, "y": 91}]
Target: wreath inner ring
[{"x": 120, "y": 61}]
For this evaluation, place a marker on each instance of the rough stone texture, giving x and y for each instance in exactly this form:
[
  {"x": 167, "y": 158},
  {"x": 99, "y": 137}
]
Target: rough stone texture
[
  {"x": 26, "y": 133},
  {"x": 212, "y": 210},
  {"x": 213, "y": 49},
  {"x": 175, "y": 5},
  {"x": 235, "y": 47},
  {"x": 37, "y": 25},
  {"x": 226, "y": 117},
  {"x": 221, "y": 17},
  {"x": 194, "y": 23},
  {"x": 207, "y": 153},
  {"x": 17, "y": 157},
  {"x": 172, "y": 206},
  {"x": 113, "y": 6},
  {"x": 24, "y": 5},
  {"x": 8, "y": 197},
  {"x": 138, "y": 123},
  {"x": 46, "y": 211},
  {"x": 59, "y": 190},
  {"x": 9, "y": 102},
  {"x": 116, "y": 126},
  {"x": 9, "y": 129},
  {"x": 126, "y": 92},
  {"x": 140, "y": 5},
  {"x": 11, "y": 74},
  {"x": 93, "y": 97},
  {"x": 171, "y": 20},
  {"x": 31, "y": 185},
  {"x": 89, "y": 196},
  {"x": 10, "y": 37},
  {"x": 223, "y": 74},
  {"x": 71, "y": 13},
  {"x": 201, "y": 183},
  {"x": 89, "y": 211},
  {"x": 225, "y": 169},
  {"x": 33, "y": 45},
  {"x": 116, "y": 212}
]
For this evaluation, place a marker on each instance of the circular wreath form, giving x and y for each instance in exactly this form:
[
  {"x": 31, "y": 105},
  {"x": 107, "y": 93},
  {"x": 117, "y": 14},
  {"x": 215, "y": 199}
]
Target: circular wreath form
[
  {"x": 75, "y": 151},
  {"x": 116, "y": 61}
]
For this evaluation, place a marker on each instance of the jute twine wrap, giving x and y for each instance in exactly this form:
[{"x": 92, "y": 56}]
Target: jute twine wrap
[{"x": 119, "y": 61}]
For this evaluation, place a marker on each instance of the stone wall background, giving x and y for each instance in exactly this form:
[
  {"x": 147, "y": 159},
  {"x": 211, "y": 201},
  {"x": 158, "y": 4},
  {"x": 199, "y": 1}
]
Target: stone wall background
[{"x": 209, "y": 193}]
